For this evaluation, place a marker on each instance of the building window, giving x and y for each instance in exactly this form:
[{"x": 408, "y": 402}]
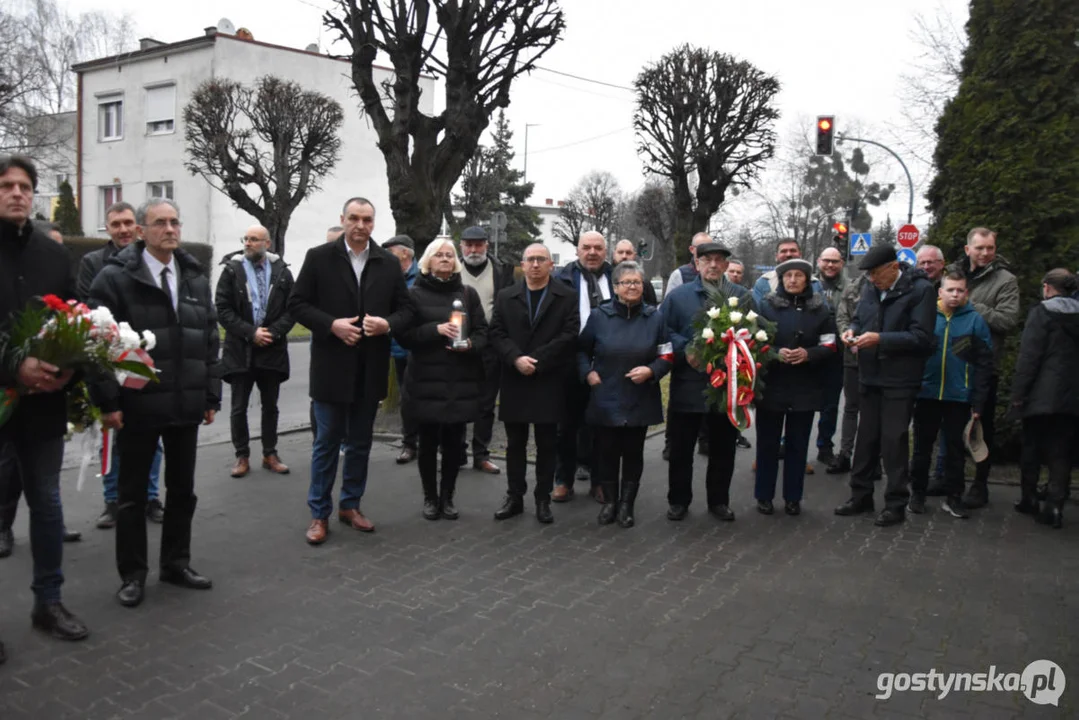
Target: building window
[
  {"x": 110, "y": 117},
  {"x": 555, "y": 258},
  {"x": 109, "y": 194},
  {"x": 159, "y": 190},
  {"x": 160, "y": 109}
]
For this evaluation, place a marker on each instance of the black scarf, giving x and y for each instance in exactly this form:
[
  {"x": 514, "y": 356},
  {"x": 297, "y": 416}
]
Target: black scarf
[{"x": 595, "y": 295}]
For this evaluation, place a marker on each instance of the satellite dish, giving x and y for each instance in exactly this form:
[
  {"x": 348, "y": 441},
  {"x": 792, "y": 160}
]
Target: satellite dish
[
  {"x": 312, "y": 48},
  {"x": 224, "y": 25}
]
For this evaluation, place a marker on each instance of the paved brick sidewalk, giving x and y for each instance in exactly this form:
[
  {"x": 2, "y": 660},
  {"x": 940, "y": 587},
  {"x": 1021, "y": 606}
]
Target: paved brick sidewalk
[{"x": 766, "y": 617}]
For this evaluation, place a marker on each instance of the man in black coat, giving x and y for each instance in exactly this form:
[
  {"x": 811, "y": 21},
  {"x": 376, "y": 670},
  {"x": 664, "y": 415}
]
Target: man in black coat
[
  {"x": 892, "y": 333},
  {"x": 349, "y": 293},
  {"x": 251, "y": 299},
  {"x": 534, "y": 332},
  {"x": 154, "y": 285},
  {"x": 32, "y": 265}
]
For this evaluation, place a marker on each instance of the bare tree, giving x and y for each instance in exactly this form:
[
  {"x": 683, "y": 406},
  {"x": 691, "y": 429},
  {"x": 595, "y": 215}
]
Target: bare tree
[
  {"x": 653, "y": 212},
  {"x": 594, "y": 203},
  {"x": 267, "y": 148},
  {"x": 706, "y": 113},
  {"x": 478, "y": 48}
]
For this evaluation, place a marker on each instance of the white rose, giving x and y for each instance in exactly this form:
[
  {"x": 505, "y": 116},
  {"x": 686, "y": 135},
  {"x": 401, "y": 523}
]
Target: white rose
[
  {"x": 713, "y": 312},
  {"x": 101, "y": 317},
  {"x": 733, "y": 301},
  {"x": 761, "y": 336},
  {"x": 751, "y": 316},
  {"x": 736, "y": 317},
  {"x": 129, "y": 339},
  {"x": 149, "y": 339},
  {"x": 708, "y": 333}
]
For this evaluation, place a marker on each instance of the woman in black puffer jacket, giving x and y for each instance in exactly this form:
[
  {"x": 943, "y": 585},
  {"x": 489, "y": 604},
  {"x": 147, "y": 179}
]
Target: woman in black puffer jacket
[
  {"x": 444, "y": 385},
  {"x": 793, "y": 385}
]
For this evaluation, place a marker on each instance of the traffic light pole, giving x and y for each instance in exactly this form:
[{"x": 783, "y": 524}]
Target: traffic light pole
[{"x": 910, "y": 183}]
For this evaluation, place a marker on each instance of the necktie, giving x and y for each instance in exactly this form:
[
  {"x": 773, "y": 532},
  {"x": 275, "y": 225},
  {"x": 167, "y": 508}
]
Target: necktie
[
  {"x": 260, "y": 295},
  {"x": 166, "y": 288}
]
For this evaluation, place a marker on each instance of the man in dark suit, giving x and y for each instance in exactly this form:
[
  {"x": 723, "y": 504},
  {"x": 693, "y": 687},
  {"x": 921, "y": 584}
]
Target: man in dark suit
[
  {"x": 534, "y": 333},
  {"x": 154, "y": 285},
  {"x": 251, "y": 299},
  {"x": 32, "y": 265},
  {"x": 350, "y": 293}
]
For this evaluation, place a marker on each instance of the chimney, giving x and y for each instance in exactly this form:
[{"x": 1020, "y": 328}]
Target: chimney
[
  {"x": 210, "y": 30},
  {"x": 147, "y": 43},
  {"x": 561, "y": 203},
  {"x": 550, "y": 201}
]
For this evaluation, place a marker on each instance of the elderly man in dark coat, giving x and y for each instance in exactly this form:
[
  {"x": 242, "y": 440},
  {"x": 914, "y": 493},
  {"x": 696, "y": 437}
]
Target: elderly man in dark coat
[
  {"x": 534, "y": 332},
  {"x": 892, "y": 332}
]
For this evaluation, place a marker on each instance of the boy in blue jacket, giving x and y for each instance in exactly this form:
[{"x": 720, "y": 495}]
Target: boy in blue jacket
[{"x": 955, "y": 385}]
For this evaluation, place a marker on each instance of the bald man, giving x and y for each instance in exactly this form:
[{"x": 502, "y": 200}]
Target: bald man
[
  {"x": 687, "y": 273},
  {"x": 626, "y": 251},
  {"x": 251, "y": 299}
]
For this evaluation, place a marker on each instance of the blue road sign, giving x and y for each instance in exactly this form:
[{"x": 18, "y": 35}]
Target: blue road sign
[
  {"x": 908, "y": 256},
  {"x": 860, "y": 243}
]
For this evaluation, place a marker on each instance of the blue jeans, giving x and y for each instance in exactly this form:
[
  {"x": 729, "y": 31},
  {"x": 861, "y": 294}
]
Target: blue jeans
[
  {"x": 37, "y": 464},
  {"x": 338, "y": 425},
  {"x": 829, "y": 414},
  {"x": 112, "y": 479}
]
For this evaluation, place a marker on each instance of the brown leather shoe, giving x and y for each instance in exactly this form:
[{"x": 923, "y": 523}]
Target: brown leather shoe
[
  {"x": 316, "y": 532},
  {"x": 356, "y": 519},
  {"x": 274, "y": 464},
  {"x": 561, "y": 494},
  {"x": 241, "y": 468},
  {"x": 487, "y": 466},
  {"x": 810, "y": 470}
]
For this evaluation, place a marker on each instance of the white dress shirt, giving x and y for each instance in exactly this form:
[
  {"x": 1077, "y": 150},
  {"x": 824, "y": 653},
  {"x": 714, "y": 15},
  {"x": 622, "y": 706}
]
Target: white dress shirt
[
  {"x": 585, "y": 307},
  {"x": 155, "y": 267},
  {"x": 358, "y": 260}
]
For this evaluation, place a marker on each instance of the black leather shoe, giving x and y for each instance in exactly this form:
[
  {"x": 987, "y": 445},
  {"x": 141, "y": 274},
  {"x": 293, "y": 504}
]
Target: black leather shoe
[
  {"x": 916, "y": 504},
  {"x": 977, "y": 496},
  {"x": 449, "y": 510},
  {"x": 742, "y": 442},
  {"x": 185, "y": 577},
  {"x": 71, "y": 536},
  {"x": 55, "y": 619},
  {"x": 765, "y": 507},
  {"x": 3, "y": 654},
  {"x": 888, "y": 517},
  {"x": 407, "y": 455},
  {"x": 793, "y": 508},
  {"x": 543, "y": 512},
  {"x": 826, "y": 455},
  {"x": 607, "y": 513},
  {"x": 155, "y": 511},
  {"x": 1051, "y": 516},
  {"x": 7, "y": 542},
  {"x": 722, "y": 512},
  {"x": 131, "y": 593},
  {"x": 1026, "y": 506},
  {"x": 511, "y": 506},
  {"x": 855, "y": 507},
  {"x": 431, "y": 510},
  {"x": 108, "y": 517},
  {"x": 840, "y": 465},
  {"x": 677, "y": 512}
]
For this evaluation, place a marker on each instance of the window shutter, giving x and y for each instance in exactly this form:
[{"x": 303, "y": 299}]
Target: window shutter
[{"x": 160, "y": 103}]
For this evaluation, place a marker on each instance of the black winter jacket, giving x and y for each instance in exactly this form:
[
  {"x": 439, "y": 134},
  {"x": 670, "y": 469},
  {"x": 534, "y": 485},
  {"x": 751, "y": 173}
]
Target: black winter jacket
[
  {"x": 90, "y": 266},
  {"x": 1046, "y": 380},
  {"x": 444, "y": 386},
  {"x": 186, "y": 355},
  {"x": 32, "y": 265},
  {"x": 233, "y": 301},
  {"x": 615, "y": 340},
  {"x": 802, "y": 321},
  {"x": 906, "y": 320}
]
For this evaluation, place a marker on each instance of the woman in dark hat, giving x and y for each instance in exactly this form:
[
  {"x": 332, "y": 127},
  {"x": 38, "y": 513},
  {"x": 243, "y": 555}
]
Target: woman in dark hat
[{"x": 805, "y": 339}]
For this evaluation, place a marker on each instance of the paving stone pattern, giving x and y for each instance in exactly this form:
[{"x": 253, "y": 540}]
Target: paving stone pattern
[{"x": 765, "y": 617}]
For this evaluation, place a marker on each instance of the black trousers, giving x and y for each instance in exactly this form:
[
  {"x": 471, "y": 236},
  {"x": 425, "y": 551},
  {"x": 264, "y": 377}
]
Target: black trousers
[
  {"x": 136, "y": 446},
  {"x": 269, "y": 385},
  {"x": 546, "y": 457},
  {"x": 932, "y": 417},
  {"x": 448, "y": 436},
  {"x": 989, "y": 433},
  {"x": 619, "y": 450},
  {"x": 576, "y": 439},
  {"x": 770, "y": 433},
  {"x": 1048, "y": 440},
  {"x": 883, "y": 438},
  {"x": 483, "y": 429},
  {"x": 410, "y": 430},
  {"x": 721, "y": 438}
]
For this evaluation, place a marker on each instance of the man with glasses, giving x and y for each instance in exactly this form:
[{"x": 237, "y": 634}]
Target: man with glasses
[
  {"x": 251, "y": 300},
  {"x": 931, "y": 262}
]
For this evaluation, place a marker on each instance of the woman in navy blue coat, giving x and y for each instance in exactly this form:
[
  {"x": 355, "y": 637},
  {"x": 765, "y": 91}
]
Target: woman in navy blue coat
[
  {"x": 805, "y": 340},
  {"x": 623, "y": 351}
]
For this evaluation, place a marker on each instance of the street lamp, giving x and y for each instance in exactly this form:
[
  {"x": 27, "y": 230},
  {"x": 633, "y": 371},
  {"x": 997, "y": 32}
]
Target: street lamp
[{"x": 527, "y": 125}]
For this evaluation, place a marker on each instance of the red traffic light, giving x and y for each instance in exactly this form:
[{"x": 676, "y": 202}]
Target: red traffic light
[
  {"x": 840, "y": 228},
  {"x": 824, "y": 124}
]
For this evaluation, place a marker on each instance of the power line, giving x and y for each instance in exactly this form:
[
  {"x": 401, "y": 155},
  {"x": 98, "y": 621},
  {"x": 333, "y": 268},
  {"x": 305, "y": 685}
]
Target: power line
[
  {"x": 584, "y": 79},
  {"x": 580, "y": 142}
]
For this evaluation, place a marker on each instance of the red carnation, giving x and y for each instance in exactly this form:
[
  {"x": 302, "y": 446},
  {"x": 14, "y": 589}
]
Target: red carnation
[{"x": 55, "y": 303}]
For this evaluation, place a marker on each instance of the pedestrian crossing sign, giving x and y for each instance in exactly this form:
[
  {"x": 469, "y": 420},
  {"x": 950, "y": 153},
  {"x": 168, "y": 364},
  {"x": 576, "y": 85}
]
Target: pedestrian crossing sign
[{"x": 860, "y": 243}]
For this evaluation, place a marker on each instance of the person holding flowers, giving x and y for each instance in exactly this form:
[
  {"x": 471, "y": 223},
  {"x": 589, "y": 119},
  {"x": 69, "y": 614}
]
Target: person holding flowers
[
  {"x": 688, "y": 408},
  {"x": 805, "y": 340}
]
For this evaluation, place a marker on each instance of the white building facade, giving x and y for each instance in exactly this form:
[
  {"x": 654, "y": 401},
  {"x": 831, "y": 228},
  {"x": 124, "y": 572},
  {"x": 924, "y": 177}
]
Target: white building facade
[{"x": 131, "y": 138}]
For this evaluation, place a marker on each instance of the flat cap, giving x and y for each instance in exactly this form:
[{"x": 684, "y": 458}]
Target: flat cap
[
  {"x": 403, "y": 240},
  {"x": 878, "y": 255},
  {"x": 474, "y": 233},
  {"x": 710, "y": 248}
]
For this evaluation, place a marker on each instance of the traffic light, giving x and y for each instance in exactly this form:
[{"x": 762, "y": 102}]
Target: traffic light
[
  {"x": 842, "y": 236},
  {"x": 825, "y": 132}
]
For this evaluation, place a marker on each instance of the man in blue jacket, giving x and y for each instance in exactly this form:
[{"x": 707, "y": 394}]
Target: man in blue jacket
[
  {"x": 955, "y": 385},
  {"x": 686, "y": 407}
]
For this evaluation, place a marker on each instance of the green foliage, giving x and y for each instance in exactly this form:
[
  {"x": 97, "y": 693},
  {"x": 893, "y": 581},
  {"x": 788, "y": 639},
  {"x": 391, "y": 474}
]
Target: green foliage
[
  {"x": 1007, "y": 153},
  {"x": 885, "y": 233},
  {"x": 837, "y": 187},
  {"x": 67, "y": 212}
]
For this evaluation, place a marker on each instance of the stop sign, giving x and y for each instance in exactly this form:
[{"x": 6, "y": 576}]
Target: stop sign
[{"x": 907, "y": 236}]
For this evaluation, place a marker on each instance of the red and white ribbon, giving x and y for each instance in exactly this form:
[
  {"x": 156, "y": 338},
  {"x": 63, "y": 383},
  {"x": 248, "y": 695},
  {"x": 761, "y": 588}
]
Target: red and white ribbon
[{"x": 738, "y": 358}]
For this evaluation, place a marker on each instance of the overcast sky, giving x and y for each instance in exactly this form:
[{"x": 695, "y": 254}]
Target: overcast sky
[{"x": 841, "y": 57}]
